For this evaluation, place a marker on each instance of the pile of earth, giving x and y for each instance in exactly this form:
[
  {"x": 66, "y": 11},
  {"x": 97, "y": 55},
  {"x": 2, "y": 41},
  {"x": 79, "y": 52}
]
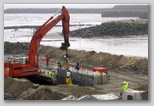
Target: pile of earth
[
  {"x": 15, "y": 48},
  {"x": 86, "y": 59},
  {"x": 114, "y": 28},
  {"x": 23, "y": 89},
  {"x": 91, "y": 59}
]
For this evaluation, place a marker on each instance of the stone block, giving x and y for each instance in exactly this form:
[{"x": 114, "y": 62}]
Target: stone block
[
  {"x": 104, "y": 79},
  {"x": 70, "y": 97},
  {"x": 131, "y": 94},
  {"x": 85, "y": 97},
  {"x": 109, "y": 96}
]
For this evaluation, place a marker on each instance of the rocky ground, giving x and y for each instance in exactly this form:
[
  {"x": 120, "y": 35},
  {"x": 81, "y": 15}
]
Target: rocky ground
[{"x": 114, "y": 29}]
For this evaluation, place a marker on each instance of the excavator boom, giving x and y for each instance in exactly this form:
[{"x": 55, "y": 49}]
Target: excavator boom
[
  {"x": 32, "y": 65},
  {"x": 40, "y": 33}
]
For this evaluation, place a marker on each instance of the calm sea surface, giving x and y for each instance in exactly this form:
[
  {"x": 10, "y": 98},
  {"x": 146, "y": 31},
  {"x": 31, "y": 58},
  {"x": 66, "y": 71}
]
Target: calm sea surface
[{"x": 130, "y": 46}]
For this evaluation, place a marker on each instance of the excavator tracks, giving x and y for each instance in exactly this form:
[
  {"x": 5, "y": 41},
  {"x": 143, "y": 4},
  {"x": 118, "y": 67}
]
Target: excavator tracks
[{"x": 42, "y": 79}]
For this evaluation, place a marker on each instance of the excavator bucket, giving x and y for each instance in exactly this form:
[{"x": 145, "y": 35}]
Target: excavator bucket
[{"x": 63, "y": 46}]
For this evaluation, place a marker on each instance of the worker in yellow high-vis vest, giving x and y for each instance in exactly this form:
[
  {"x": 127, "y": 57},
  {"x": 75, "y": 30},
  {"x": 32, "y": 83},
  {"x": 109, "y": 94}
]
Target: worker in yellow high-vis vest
[
  {"x": 124, "y": 87},
  {"x": 53, "y": 74},
  {"x": 48, "y": 74},
  {"x": 66, "y": 62},
  {"x": 68, "y": 78}
]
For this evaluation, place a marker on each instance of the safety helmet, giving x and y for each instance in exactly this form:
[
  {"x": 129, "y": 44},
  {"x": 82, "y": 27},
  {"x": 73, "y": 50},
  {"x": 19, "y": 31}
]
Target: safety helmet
[
  {"x": 64, "y": 56},
  {"x": 124, "y": 82},
  {"x": 53, "y": 70}
]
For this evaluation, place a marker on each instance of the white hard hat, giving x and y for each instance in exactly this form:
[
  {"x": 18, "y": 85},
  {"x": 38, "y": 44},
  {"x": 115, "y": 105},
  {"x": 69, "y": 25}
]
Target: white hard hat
[
  {"x": 124, "y": 82},
  {"x": 64, "y": 56},
  {"x": 53, "y": 70}
]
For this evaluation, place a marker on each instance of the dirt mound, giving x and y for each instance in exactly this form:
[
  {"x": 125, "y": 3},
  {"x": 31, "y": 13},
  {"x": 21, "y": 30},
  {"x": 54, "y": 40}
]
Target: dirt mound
[
  {"x": 23, "y": 89},
  {"x": 13, "y": 87},
  {"x": 45, "y": 93},
  {"x": 16, "y": 48},
  {"x": 91, "y": 59},
  {"x": 9, "y": 96},
  {"x": 81, "y": 91}
]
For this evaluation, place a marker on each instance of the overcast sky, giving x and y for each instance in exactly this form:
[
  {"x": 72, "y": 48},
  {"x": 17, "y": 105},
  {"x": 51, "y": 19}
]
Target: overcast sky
[{"x": 6, "y": 6}]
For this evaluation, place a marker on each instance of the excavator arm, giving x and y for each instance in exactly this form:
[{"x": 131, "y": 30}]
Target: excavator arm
[{"x": 41, "y": 32}]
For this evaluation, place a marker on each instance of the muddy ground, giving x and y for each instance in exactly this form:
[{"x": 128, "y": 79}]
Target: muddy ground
[{"x": 120, "y": 68}]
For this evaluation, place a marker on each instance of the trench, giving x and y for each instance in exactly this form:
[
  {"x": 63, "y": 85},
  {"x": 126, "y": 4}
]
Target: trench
[
  {"x": 81, "y": 79},
  {"x": 77, "y": 78},
  {"x": 41, "y": 80}
]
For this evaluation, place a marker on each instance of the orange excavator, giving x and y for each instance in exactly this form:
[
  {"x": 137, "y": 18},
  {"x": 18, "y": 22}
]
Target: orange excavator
[{"x": 30, "y": 66}]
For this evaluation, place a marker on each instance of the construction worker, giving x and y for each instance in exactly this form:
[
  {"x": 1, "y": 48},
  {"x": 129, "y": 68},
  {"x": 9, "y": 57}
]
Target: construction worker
[
  {"x": 68, "y": 78},
  {"x": 59, "y": 64},
  {"x": 12, "y": 61},
  {"x": 99, "y": 72},
  {"x": 47, "y": 59},
  {"x": 53, "y": 74},
  {"x": 124, "y": 87},
  {"x": 66, "y": 62},
  {"x": 77, "y": 66},
  {"x": 66, "y": 54},
  {"x": 48, "y": 74}
]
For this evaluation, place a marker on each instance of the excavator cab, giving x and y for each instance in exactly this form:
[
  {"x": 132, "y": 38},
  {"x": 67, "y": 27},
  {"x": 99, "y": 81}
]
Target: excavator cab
[{"x": 23, "y": 60}]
